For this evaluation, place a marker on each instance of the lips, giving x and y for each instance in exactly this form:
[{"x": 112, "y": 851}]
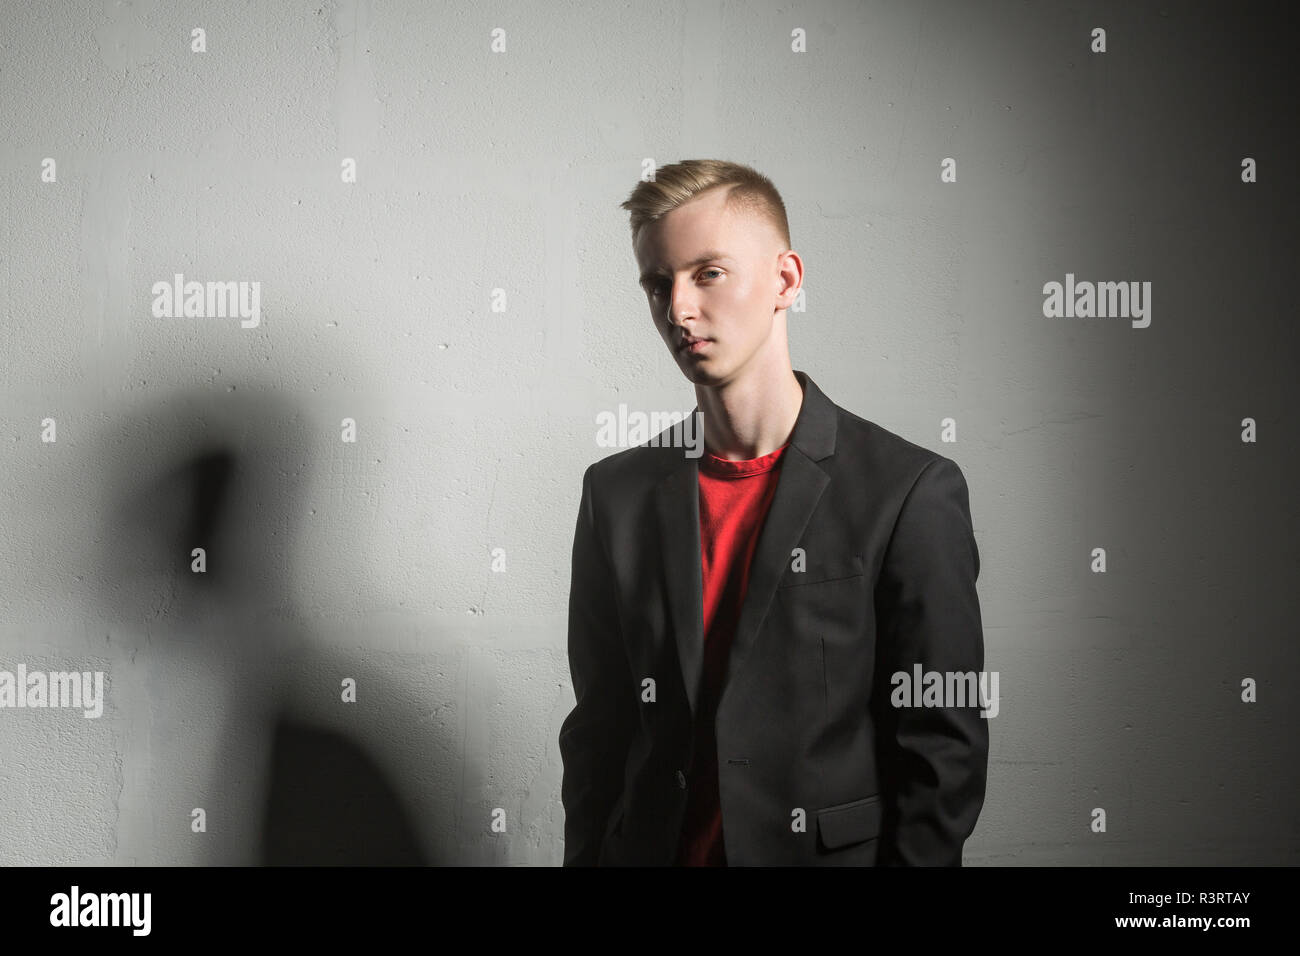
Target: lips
[{"x": 686, "y": 341}]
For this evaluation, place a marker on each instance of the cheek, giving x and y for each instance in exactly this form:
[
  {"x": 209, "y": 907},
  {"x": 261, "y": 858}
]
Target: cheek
[
  {"x": 745, "y": 320},
  {"x": 748, "y": 300}
]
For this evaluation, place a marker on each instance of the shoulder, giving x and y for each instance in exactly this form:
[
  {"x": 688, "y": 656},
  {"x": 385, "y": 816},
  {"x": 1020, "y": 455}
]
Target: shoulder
[
  {"x": 865, "y": 447},
  {"x": 639, "y": 467}
]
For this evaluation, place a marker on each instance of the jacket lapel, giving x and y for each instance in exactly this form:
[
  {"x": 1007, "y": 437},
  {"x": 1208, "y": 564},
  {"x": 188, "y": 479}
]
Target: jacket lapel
[
  {"x": 677, "y": 504},
  {"x": 677, "y": 500}
]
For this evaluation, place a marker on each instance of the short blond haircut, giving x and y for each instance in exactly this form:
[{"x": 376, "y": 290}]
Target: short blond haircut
[{"x": 680, "y": 182}]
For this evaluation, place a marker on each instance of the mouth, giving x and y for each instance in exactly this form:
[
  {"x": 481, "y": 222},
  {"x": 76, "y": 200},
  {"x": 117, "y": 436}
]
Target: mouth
[{"x": 691, "y": 344}]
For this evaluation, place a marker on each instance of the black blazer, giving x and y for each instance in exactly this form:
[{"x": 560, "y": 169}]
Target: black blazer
[{"x": 805, "y": 729}]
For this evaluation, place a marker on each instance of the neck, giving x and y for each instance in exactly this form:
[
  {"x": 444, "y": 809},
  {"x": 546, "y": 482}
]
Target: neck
[{"x": 752, "y": 416}]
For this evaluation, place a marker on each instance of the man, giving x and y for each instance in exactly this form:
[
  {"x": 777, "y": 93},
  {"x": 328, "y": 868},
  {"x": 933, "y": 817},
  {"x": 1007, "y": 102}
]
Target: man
[{"x": 737, "y": 619}]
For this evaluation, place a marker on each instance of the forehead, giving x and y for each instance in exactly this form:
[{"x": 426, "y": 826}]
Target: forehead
[{"x": 697, "y": 228}]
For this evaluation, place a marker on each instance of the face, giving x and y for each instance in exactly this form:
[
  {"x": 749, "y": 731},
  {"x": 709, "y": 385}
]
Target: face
[{"x": 721, "y": 276}]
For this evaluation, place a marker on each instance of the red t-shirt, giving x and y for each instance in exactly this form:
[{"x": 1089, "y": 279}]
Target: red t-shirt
[{"x": 734, "y": 499}]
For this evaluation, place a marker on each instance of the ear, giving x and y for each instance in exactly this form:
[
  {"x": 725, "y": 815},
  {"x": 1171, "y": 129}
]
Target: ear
[{"x": 789, "y": 278}]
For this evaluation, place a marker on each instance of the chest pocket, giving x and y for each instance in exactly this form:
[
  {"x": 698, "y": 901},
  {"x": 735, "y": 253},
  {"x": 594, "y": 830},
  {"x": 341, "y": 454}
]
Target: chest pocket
[{"x": 820, "y": 568}]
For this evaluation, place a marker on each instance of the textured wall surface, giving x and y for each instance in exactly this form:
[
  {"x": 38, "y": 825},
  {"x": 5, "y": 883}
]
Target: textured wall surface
[{"x": 496, "y": 161}]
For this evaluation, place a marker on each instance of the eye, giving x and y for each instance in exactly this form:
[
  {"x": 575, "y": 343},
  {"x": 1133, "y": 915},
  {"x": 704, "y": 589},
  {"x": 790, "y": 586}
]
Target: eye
[{"x": 655, "y": 287}]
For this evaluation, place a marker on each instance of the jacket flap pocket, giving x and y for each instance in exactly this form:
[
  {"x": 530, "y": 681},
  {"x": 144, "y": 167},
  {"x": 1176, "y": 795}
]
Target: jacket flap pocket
[{"x": 849, "y": 823}]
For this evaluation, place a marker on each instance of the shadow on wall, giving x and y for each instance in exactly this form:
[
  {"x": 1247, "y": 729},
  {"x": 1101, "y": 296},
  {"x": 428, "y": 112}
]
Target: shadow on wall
[
  {"x": 329, "y": 804},
  {"x": 225, "y": 661}
]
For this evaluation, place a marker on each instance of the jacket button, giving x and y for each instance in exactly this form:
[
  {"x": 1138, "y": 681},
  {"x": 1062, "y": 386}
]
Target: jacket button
[{"x": 681, "y": 779}]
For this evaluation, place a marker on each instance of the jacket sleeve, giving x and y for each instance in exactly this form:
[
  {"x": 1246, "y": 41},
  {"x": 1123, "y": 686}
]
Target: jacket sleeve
[
  {"x": 596, "y": 735},
  {"x": 933, "y": 759}
]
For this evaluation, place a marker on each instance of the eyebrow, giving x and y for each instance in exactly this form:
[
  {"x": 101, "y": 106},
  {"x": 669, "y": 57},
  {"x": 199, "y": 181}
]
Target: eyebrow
[{"x": 711, "y": 256}]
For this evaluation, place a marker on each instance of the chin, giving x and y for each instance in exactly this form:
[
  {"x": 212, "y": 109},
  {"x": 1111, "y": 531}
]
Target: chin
[{"x": 699, "y": 374}]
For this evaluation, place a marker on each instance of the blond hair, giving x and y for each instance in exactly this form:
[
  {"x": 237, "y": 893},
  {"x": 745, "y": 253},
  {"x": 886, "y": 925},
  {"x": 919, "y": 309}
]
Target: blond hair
[{"x": 680, "y": 182}]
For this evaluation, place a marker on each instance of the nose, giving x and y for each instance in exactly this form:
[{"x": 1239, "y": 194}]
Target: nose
[{"x": 680, "y": 306}]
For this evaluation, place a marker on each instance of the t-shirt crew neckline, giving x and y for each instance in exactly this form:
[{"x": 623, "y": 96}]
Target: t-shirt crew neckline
[{"x": 725, "y": 468}]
